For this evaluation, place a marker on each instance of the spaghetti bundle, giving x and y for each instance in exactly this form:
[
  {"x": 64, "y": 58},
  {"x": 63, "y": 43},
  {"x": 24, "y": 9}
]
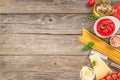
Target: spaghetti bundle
[{"x": 101, "y": 46}]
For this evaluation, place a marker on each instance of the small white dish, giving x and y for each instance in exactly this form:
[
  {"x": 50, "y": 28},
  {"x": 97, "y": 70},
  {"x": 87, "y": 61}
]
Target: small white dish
[
  {"x": 87, "y": 73},
  {"x": 115, "y": 40},
  {"x": 115, "y": 21}
]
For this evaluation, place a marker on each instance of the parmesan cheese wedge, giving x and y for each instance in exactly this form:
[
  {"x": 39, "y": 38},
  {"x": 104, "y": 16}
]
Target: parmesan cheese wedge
[{"x": 100, "y": 67}]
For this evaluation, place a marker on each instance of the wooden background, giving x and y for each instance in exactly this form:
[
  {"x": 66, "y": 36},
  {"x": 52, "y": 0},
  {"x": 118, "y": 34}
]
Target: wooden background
[{"x": 39, "y": 39}]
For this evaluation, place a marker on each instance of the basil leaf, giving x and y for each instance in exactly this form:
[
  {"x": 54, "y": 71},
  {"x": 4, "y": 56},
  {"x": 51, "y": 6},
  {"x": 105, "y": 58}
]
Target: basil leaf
[{"x": 93, "y": 63}]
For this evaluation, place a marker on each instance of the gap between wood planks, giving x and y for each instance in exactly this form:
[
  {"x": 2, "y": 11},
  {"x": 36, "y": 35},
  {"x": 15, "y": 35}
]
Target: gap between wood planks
[{"x": 85, "y": 55}]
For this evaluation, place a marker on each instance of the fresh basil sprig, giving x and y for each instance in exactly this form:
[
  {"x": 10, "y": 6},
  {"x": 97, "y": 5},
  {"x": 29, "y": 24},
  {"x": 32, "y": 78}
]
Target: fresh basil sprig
[
  {"x": 93, "y": 63},
  {"x": 91, "y": 17}
]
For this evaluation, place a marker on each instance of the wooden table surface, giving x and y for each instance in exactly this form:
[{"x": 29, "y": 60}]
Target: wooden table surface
[{"x": 39, "y": 39}]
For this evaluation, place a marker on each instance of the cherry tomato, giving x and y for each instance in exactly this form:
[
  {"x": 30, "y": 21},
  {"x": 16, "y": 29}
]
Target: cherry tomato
[
  {"x": 118, "y": 79},
  {"x": 114, "y": 76},
  {"x": 106, "y": 27},
  {"x": 116, "y": 11},
  {"x": 103, "y": 79},
  {"x": 91, "y": 2},
  {"x": 105, "y": 31},
  {"x": 109, "y": 29},
  {"x": 108, "y": 77},
  {"x": 116, "y": 15},
  {"x": 118, "y": 74}
]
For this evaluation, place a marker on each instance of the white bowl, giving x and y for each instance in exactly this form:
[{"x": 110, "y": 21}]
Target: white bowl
[
  {"x": 115, "y": 21},
  {"x": 117, "y": 41},
  {"x": 82, "y": 73}
]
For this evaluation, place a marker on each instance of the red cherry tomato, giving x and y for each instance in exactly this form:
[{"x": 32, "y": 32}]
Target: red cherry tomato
[
  {"x": 105, "y": 31},
  {"x": 118, "y": 79},
  {"x": 118, "y": 74},
  {"x": 108, "y": 77},
  {"x": 103, "y": 79},
  {"x": 116, "y": 11},
  {"x": 116, "y": 15},
  {"x": 114, "y": 76},
  {"x": 105, "y": 27},
  {"x": 91, "y": 2},
  {"x": 109, "y": 29}
]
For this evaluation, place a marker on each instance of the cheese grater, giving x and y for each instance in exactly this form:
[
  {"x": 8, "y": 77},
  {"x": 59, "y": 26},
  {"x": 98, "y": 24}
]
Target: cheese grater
[{"x": 106, "y": 59}]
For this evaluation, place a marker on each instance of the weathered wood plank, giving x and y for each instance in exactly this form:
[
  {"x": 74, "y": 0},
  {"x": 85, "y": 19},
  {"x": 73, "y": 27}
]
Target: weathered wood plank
[
  {"x": 43, "y": 6},
  {"x": 41, "y": 67},
  {"x": 24, "y": 44},
  {"x": 46, "y": 2},
  {"x": 45, "y": 23},
  {"x": 40, "y": 2},
  {"x": 46, "y": 6}
]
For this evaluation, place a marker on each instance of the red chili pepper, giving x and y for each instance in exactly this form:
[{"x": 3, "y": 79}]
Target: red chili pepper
[{"x": 91, "y": 2}]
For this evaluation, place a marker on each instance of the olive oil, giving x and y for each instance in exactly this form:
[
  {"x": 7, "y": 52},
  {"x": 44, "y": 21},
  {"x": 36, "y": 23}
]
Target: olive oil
[{"x": 102, "y": 8}]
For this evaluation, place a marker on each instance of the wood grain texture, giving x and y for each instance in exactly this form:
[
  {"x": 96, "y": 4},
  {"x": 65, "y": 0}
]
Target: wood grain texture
[
  {"x": 26, "y": 44},
  {"x": 32, "y": 33},
  {"x": 43, "y": 6},
  {"x": 45, "y": 23},
  {"x": 39, "y": 39},
  {"x": 46, "y": 6},
  {"x": 41, "y": 67}
]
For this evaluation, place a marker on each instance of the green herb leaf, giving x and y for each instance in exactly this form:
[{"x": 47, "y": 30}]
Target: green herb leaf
[
  {"x": 90, "y": 44},
  {"x": 91, "y": 17},
  {"x": 85, "y": 48},
  {"x": 103, "y": 27},
  {"x": 93, "y": 63}
]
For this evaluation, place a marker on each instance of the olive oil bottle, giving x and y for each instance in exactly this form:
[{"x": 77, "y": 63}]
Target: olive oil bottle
[{"x": 102, "y": 8}]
